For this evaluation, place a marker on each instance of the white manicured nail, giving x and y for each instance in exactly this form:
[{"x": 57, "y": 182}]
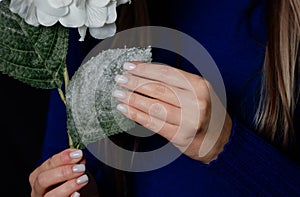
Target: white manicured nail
[
  {"x": 78, "y": 168},
  {"x": 75, "y": 194},
  {"x": 83, "y": 179},
  {"x": 129, "y": 66},
  {"x": 122, "y": 108},
  {"x": 121, "y": 79},
  {"x": 119, "y": 94},
  {"x": 76, "y": 154}
]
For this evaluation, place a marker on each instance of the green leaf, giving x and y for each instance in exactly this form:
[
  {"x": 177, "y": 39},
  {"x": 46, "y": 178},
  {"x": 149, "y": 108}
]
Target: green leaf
[
  {"x": 33, "y": 55},
  {"x": 91, "y": 109}
]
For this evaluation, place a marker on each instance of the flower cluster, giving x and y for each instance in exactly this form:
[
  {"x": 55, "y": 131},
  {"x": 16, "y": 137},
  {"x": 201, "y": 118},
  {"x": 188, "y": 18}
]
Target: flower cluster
[{"x": 98, "y": 16}]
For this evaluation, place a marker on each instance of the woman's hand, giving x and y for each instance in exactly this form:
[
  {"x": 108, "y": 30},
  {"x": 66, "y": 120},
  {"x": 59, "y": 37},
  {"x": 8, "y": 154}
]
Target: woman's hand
[
  {"x": 62, "y": 175},
  {"x": 179, "y": 106}
]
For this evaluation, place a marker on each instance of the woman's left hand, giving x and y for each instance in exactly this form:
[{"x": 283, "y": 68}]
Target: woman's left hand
[{"x": 180, "y": 106}]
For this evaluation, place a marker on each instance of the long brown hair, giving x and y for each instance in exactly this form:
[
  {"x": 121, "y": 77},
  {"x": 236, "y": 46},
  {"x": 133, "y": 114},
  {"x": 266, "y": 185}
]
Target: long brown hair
[
  {"x": 133, "y": 14},
  {"x": 279, "y": 93},
  {"x": 279, "y": 90}
]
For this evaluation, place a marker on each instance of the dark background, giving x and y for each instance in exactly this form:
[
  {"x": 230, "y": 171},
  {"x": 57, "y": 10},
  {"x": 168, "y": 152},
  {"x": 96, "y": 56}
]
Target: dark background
[{"x": 23, "y": 118}]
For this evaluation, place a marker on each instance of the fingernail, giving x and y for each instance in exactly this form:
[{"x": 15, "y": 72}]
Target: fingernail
[
  {"x": 78, "y": 168},
  {"x": 83, "y": 179},
  {"x": 121, "y": 79},
  {"x": 76, "y": 154},
  {"x": 122, "y": 108},
  {"x": 75, "y": 194},
  {"x": 129, "y": 66},
  {"x": 119, "y": 94}
]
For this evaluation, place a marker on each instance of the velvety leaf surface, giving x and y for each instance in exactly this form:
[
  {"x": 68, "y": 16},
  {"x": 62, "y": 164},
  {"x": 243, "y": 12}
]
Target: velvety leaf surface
[
  {"x": 33, "y": 55},
  {"x": 91, "y": 109}
]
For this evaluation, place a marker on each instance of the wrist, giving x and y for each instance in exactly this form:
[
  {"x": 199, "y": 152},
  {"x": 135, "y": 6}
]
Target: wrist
[{"x": 220, "y": 143}]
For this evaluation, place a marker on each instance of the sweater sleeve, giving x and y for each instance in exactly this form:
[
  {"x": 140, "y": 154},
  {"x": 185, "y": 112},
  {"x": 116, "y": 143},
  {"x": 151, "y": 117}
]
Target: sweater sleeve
[{"x": 255, "y": 166}]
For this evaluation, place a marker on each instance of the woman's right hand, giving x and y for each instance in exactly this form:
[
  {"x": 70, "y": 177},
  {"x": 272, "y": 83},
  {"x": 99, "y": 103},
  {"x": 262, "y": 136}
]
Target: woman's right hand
[{"x": 61, "y": 175}]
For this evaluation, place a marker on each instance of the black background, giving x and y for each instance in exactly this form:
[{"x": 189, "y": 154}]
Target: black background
[{"x": 23, "y": 119}]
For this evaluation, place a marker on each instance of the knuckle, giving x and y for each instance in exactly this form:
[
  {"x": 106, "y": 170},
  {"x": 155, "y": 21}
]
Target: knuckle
[
  {"x": 72, "y": 186},
  {"x": 50, "y": 162},
  {"x": 207, "y": 83},
  {"x": 164, "y": 70},
  {"x": 156, "y": 108},
  {"x": 41, "y": 180},
  {"x": 31, "y": 178},
  {"x": 132, "y": 99},
  {"x": 65, "y": 171},
  {"x": 133, "y": 115},
  {"x": 192, "y": 124},
  {"x": 179, "y": 141},
  {"x": 160, "y": 89},
  {"x": 200, "y": 85},
  {"x": 203, "y": 104},
  {"x": 151, "y": 125},
  {"x": 64, "y": 157},
  {"x": 195, "y": 79},
  {"x": 134, "y": 82}
]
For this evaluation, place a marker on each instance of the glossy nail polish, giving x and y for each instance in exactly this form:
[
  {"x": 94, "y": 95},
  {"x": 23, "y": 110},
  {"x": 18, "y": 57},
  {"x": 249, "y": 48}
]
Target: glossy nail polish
[
  {"x": 122, "y": 108},
  {"x": 83, "y": 179},
  {"x": 78, "y": 168},
  {"x": 75, "y": 194},
  {"x": 129, "y": 66},
  {"x": 121, "y": 79},
  {"x": 76, "y": 154},
  {"x": 119, "y": 94}
]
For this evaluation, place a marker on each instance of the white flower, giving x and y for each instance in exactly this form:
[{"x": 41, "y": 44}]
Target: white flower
[{"x": 97, "y": 15}]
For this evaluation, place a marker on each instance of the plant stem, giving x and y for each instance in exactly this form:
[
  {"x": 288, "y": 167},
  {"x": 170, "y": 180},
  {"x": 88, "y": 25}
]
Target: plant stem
[
  {"x": 63, "y": 98},
  {"x": 71, "y": 145},
  {"x": 66, "y": 78}
]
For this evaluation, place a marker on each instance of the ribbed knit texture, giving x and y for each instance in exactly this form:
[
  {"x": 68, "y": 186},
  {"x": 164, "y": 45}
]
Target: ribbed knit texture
[{"x": 249, "y": 166}]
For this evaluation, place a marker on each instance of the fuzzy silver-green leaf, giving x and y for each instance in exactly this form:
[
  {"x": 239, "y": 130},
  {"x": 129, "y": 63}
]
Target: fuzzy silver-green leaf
[
  {"x": 91, "y": 109},
  {"x": 33, "y": 55}
]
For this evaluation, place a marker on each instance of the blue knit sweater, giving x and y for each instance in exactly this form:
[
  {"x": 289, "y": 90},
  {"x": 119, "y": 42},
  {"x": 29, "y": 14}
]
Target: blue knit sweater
[{"x": 249, "y": 165}]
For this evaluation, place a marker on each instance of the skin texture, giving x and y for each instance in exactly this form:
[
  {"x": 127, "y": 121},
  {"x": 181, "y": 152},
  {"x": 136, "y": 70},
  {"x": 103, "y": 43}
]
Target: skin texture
[
  {"x": 179, "y": 106},
  {"x": 56, "y": 178}
]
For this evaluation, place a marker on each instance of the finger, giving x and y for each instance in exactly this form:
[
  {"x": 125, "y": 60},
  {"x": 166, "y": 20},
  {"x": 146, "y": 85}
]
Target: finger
[
  {"x": 70, "y": 187},
  {"x": 49, "y": 178},
  {"x": 68, "y": 156},
  {"x": 186, "y": 100},
  {"x": 163, "y": 73},
  {"x": 168, "y": 94},
  {"x": 177, "y": 135},
  {"x": 163, "y": 128},
  {"x": 156, "y": 108}
]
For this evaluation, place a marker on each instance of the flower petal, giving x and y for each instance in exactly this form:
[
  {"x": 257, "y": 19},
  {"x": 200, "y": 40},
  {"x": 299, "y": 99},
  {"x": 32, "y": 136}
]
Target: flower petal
[
  {"x": 31, "y": 17},
  {"x": 96, "y": 17},
  {"x": 98, "y": 3},
  {"x": 19, "y": 7},
  {"x": 46, "y": 19},
  {"x": 80, "y": 4},
  {"x": 106, "y": 31},
  {"x": 24, "y": 9},
  {"x": 75, "y": 18},
  {"x": 44, "y": 6},
  {"x": 111, "y": 12},
  {"x": 59, "y": 3},
  {"x": 82, "y": 32},
  {"x": 119, "y": 2}
]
